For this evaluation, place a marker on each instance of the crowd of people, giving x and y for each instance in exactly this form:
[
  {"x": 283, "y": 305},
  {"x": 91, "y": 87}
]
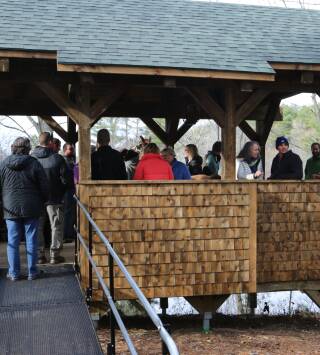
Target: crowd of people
[
  {"x": 147, "y": 162},
  {"x": 37, "y": 189}
]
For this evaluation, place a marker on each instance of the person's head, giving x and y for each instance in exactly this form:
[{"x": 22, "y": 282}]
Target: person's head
[
  {"x": 282, "y": 145},
  {"x": 68, "y": 150},
  {"x": 21, "y": 145},
  {"x": 251, "y": 150},
  {"x": 151, "y": 148},
  {"x": 56, "y": 145},
  {"x": 217, "y": 147},
  {"x": 315, "y": 150},
  {"x": 190, "y": 151},
  {"x": 45, "y": 139},
  {"x": 103, "y": 138},
  {"x": 168, "y": 154}
]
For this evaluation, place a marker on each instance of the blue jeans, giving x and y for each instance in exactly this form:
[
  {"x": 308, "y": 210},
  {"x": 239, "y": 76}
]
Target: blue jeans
[{"x": 16, "y": 228}]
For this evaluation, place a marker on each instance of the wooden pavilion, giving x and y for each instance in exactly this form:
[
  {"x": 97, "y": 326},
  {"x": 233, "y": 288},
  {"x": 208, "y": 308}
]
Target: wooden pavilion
[{"x": 182, "y": 60}]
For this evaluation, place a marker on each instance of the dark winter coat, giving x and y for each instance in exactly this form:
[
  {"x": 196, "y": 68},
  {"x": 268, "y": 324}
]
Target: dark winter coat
[
  {"x": 58, "y": 175},
  {"x": 287, "y": 168},
  {"x": 24, "y": 187},
  {"x": 107, "y": 164},
  {"x": 195, "y": 165}
]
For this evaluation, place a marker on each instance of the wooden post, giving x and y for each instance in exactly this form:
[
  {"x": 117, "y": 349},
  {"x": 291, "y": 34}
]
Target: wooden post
[
  {"x": 84, "y": 133},
  {"x": 229, "y": 136},
  {"x": 72, "y": 132},
  {"x": 84, "y": 153}
]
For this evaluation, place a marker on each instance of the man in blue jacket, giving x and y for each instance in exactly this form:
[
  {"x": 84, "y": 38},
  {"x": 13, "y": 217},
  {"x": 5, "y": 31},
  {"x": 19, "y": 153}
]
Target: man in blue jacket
[{"x": 180, "y": 170}]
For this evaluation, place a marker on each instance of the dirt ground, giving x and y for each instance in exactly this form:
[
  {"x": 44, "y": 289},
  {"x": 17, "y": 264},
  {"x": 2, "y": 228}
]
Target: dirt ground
[{"x": 234, "y": 335}]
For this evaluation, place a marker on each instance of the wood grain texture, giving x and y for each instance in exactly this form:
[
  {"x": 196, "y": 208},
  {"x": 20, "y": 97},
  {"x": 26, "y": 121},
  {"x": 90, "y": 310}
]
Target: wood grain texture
[
  {"x": 288, "y": 238},
  {"x": 175, "y": 239}
]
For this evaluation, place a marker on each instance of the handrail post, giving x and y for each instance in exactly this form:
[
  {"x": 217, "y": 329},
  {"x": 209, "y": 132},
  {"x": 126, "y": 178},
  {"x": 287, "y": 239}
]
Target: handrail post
[
  {"x": 89, "y": 289},
  {"x": 76, "y": 249},
  {"x": 112, "y": 344}
]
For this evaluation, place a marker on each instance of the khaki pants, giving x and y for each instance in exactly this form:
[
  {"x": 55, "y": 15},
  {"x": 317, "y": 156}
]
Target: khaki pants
[{"x": 55, "y": 214}]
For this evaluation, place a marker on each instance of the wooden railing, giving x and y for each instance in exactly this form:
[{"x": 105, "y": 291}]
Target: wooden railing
[{"x": 208, "y": 238}]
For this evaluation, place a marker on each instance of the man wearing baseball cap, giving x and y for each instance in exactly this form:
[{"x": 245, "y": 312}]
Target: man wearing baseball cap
[{"x": 286, "y": 165}]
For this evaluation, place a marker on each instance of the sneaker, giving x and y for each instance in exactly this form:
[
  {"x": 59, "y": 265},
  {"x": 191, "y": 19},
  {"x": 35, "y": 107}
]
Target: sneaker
[
  {"x": 35, "y": 276},
  {"x": 42, "y": 259},
  {"x": 57, "y": 259},
  {"x": 12, "y": 278}
]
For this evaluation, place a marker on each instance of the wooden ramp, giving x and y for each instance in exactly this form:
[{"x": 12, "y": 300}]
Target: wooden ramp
[{"x": 46, "y": 316}]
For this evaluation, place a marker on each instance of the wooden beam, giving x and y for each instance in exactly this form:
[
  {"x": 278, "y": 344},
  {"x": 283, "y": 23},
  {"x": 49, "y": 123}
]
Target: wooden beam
[
  {"x": 229, "y": 136},
  {"x": 314, "y": 295},
  {"x": 184, "y": 128},
  {"x": 28, "y": 54},
  {"x": 272, "y": 113},
  {"x": 207, "y": 303},
  {"x": 65, "y": 104},
  {"x": 83, "y": 99},
  {"x": 54, "y": 125},
  {"x": 84, "y": 153},
  {"x": 288, "y": 286},
  {"x": 208, "y": 104},
  {"x": 4, "y": 65},
  {"x": 172, "y": 123},
  {"x": 104, "y": 102},
  {"x": 72, "y": 131},
  {"x": 249, "y": 131},
  {"x": 155, "y": 128},
  {"x": 159, "y": 71},
  {"x": 250, "y": 104},
  {"x": 295, "y": 66}
]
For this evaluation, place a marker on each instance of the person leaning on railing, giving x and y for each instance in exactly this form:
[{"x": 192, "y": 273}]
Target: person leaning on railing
[
  {"x": 286, "y": 165},
  {"x": 249, "y": 162},
  {"x": 180, "y": 170},
  {"x": 312, "y": 169},
  {"x": 152, "y": 166}
]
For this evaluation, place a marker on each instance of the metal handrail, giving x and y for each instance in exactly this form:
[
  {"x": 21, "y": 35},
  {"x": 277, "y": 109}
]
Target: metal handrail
[
  {"x": 165, "y": 336},
  {"x": 113, "y": 307}
]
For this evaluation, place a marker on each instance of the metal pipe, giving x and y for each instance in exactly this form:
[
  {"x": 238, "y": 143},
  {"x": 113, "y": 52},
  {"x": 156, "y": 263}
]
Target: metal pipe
[
  {"x": 111, "y": 287},
  {"x": 113, "y": 307},
  {"x": 165, "y": 336}
]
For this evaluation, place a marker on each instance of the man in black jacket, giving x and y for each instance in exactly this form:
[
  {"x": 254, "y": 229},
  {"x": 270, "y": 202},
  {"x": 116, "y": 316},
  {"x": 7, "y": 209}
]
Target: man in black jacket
[
  {"x": 286, "y": 165},
  {"x": 24, "y": 189},
  {"x": 106, "y": 163},
  {"x": 59, "y": 179}
]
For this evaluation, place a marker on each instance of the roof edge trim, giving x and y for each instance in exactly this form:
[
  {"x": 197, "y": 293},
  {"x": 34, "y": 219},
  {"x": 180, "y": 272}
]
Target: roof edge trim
[
  {"x": 158, "y": 71},
  {"x": 28, "y": 54},
  {"x": 295, "y": 66}
]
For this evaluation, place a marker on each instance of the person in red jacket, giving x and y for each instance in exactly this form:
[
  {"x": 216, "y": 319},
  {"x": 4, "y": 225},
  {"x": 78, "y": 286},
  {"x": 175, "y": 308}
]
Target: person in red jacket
[{"x": 152, "y": 166}]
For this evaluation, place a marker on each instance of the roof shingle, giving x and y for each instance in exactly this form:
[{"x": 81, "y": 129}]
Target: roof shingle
[{"x": 162, "y": 33}]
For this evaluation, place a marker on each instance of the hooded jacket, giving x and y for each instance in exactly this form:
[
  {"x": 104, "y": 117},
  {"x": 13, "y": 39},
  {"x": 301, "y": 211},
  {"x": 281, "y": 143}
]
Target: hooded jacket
[
  {"x": 287, "y": 168},
  {"x": 58, "y": 175},
  {"x": 153, "y": 167},
  {"x": 24, "y": 187}
]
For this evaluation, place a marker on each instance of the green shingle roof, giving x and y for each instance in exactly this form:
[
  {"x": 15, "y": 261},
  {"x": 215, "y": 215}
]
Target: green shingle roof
[{"x": 162, "y": 33}]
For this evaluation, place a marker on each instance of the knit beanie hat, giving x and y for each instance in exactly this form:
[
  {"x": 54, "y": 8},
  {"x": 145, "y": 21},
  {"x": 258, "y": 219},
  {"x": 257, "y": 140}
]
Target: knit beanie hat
[{"x": 281, "y": 140}]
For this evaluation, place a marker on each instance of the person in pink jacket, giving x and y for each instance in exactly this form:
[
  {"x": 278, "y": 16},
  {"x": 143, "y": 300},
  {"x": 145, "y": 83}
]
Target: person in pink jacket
[{"x": 152, "y": 166}]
